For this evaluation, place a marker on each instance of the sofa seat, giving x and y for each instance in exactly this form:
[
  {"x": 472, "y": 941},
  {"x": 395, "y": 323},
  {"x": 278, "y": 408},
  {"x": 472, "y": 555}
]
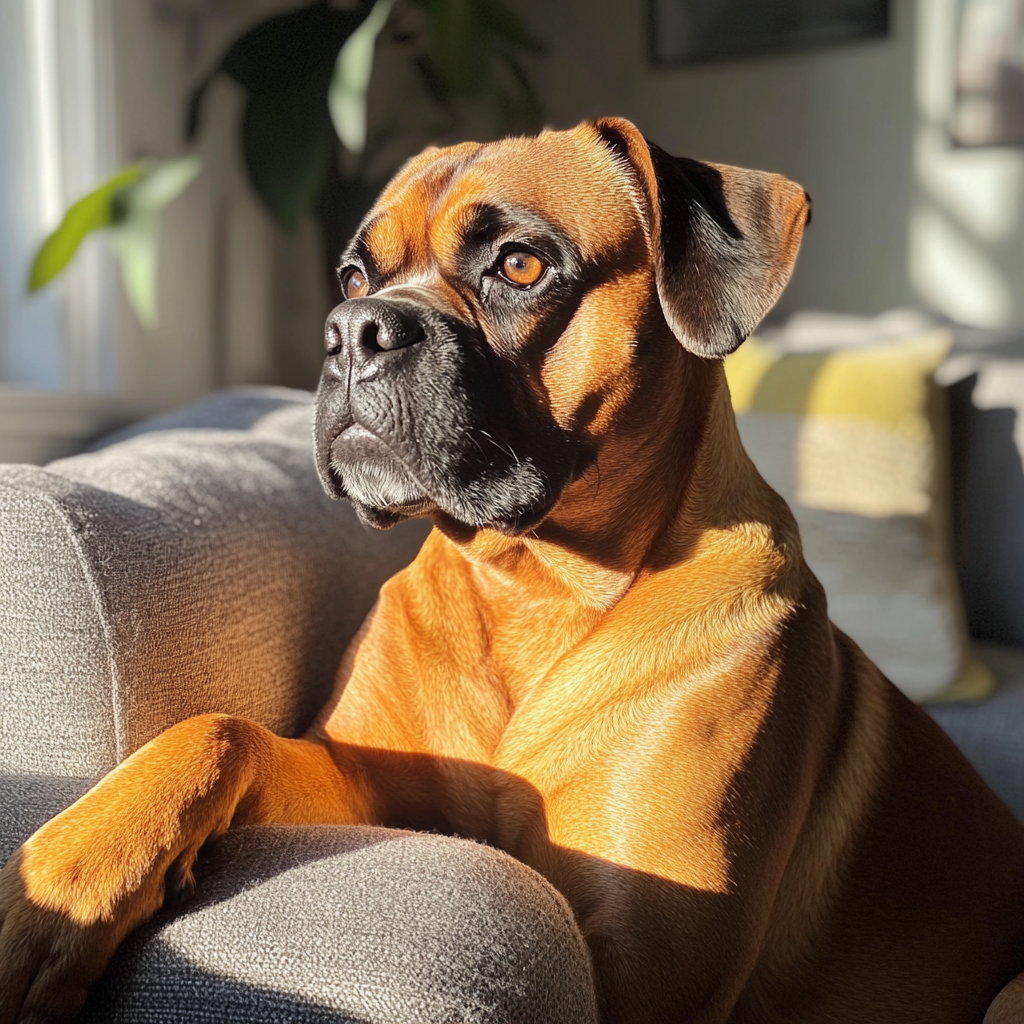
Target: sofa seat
[
  {"x": 991, "y": 732},
  {"x": 347, "y": 925},
  {"x": 193, "y": 563}
]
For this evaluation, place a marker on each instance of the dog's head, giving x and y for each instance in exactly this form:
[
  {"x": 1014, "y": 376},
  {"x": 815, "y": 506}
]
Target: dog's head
[{"x": 503, "y": 301}]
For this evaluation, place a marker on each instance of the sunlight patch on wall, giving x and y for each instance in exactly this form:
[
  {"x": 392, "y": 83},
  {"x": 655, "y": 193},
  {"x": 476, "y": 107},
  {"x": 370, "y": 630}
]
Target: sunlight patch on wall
[
  {"x": 982, "y": 189},
  {"x": 953, "y": 274},
  {"x": 968, "y": 215}
]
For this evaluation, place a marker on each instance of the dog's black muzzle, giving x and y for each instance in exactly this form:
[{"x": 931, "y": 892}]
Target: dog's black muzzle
[{"x": 416, "y": 414}]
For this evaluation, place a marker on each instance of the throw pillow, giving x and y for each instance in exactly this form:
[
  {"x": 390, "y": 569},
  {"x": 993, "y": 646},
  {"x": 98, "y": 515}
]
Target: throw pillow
[{"x": 854, "y": 437}]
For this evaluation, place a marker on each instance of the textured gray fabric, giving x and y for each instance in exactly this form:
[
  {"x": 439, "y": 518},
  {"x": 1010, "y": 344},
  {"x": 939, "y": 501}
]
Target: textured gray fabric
[
  {"x": 183, "y": 569},
  {"x": 991, "y": 734},
  {"x": 56, "y": 708},
  {"x": 28, "y": 801},
  {"x": 354, "y": 925}
]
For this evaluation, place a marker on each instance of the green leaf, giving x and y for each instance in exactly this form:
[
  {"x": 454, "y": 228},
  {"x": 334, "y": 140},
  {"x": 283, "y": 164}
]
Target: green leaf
[
  {"x": 287, "y": 145},
  {"x": 505, "y": 24},
  {"x": 92, "y": 212},
  {"x": 286, "y": 65},
  {"x": 347, "y": 96},
  {"x": 163, "y": 182},
  {"x": 135, "y": 233},
  {"x": 474, "y": 55},
  {"x": 136, "y": 244},
  {"x": 458, "y": 45}
]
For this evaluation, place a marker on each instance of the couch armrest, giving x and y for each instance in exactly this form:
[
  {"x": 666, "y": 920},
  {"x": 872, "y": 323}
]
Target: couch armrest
[
  {"x": 193, "y": 565},
  {"x": 354, "y": 925}
]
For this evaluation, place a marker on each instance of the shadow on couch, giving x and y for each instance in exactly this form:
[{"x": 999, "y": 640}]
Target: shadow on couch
[
  {"x": 988, "y": 496},
  {"x": 364, "y": 924}
]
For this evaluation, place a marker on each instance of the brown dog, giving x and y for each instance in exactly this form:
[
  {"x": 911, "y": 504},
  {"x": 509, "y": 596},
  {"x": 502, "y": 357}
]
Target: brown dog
[{"x": 609, "y": 658}]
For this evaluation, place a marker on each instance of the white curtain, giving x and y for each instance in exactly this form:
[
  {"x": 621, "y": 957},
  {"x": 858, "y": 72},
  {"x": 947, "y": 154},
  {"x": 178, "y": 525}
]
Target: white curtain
[{"x": 56, "y": 125}]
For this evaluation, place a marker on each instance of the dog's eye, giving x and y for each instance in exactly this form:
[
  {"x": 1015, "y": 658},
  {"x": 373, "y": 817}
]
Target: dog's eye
[
  {"x": 522, "y": 269},
  {"x": 354, "y": 284}
]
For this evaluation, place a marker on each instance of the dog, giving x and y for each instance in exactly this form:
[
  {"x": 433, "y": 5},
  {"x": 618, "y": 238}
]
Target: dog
[{"x": 609, "y": 658}]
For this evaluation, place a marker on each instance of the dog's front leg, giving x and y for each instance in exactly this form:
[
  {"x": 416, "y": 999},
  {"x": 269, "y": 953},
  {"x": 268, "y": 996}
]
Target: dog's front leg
[{"x": 81, "y": 883}]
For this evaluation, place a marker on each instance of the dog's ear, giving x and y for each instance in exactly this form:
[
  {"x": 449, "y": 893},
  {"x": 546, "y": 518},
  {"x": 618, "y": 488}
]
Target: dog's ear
[{"x": 724, "y": 239}]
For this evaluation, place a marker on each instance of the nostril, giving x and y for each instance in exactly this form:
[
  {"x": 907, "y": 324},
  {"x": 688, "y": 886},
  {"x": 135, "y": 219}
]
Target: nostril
[
  {"x": 399, "y": 335},
  {"x": 369, "y": 337},
  {"x": 414, "y": 336}
]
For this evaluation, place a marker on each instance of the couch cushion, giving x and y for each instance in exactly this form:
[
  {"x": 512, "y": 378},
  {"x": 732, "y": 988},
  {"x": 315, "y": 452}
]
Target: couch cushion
[
  {"x": 359, "y": 925},
  {"x": 193, "y": 565},
  {"x": 341, "y": 924}
]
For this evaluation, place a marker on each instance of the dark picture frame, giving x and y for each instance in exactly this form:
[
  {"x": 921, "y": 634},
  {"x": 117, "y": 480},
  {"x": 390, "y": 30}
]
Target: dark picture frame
[{"x": 693, "y": 31}]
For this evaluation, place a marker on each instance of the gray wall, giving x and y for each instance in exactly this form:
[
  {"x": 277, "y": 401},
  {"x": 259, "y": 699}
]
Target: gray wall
[{"x": 860, "y": 126}]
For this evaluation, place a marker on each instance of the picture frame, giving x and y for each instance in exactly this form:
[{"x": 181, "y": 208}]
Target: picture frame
[{"x": 695, "y": 31}]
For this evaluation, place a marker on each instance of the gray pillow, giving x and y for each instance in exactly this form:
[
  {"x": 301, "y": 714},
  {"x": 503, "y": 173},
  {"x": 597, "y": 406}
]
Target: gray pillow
[
  {"x": 986, "y": 390},
  {"x": 192, "y": 564}
]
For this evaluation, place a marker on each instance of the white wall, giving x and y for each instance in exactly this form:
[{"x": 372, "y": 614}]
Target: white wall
[
  {"x": 217, "y": 285},
  {"x": 899, "y": 217},
  {"x": 967, "y": 220}
]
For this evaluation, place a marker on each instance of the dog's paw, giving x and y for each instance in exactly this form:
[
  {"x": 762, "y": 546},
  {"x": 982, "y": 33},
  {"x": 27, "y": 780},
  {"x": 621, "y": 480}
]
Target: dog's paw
[
  {"x": 67, "y": 899},
  {"x": 47, "y": 960}
]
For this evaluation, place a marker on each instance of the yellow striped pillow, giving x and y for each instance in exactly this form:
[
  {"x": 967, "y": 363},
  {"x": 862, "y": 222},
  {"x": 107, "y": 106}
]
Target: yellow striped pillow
[{"x": 855, "y": 439}]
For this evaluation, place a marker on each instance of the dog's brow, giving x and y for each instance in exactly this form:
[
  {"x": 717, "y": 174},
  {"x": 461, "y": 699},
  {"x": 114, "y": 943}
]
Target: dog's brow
[
  {"x": 484, "y": 223},
  {"x": 480, "y": 224},
  {"x": 358, "y": 251}
]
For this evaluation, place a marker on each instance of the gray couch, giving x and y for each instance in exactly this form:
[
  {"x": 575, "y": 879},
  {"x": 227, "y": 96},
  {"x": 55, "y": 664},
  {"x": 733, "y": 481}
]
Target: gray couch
[{"x": 192, "y": 563}]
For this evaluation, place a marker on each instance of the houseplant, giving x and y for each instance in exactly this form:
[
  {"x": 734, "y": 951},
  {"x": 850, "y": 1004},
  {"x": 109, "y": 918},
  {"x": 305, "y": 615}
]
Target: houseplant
[{"x": 314, "y": 139}]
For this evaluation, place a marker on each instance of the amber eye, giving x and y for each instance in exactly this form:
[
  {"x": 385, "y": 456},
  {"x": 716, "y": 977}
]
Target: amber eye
[
  {"x": 354, "y": 284},
  {"x": 522, "y": 268}
]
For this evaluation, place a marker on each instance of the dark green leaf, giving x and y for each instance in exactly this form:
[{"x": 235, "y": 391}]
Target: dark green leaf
[
  {"x": 286, "y": 64},
  {"x": 474, "y": 55},
  {"x": 458, "y": 44},
  {"x": 505, "y": 24},
  {"x": 432, "y": 79},
  {"x": 287, "y": 148}
]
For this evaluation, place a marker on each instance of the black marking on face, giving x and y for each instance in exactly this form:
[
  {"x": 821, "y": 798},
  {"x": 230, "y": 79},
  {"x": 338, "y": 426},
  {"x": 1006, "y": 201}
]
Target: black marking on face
[
  {"x": 451, "y": 425},
  {"x": 523, "y": 320},
  {"x": 359, "y": 255}
]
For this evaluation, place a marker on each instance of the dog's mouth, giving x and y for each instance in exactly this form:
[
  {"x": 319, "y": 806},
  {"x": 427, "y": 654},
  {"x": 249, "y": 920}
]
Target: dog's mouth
[
  {"x": 386, "y": 487},
  {"x": 385, "y": 490},
  {"x": 374, "y": 478}
]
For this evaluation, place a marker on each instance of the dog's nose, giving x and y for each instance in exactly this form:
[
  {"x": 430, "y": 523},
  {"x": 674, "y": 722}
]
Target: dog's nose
[{"x": 364, "y": 328}]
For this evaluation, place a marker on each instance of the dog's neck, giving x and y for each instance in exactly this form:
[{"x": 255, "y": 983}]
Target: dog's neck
[
  {"x": 670, "y": 488},
  {"x": 674, "y": 467}
]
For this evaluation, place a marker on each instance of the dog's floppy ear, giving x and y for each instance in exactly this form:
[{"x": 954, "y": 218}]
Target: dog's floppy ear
[{"x": 724, "y": 239}]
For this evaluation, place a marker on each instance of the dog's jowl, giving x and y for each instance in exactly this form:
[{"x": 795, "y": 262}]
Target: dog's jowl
[{"x": 609, "y": 659}]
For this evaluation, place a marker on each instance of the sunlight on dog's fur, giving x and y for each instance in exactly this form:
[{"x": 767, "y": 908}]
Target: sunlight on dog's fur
[{"x": 609, "y": 658}]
